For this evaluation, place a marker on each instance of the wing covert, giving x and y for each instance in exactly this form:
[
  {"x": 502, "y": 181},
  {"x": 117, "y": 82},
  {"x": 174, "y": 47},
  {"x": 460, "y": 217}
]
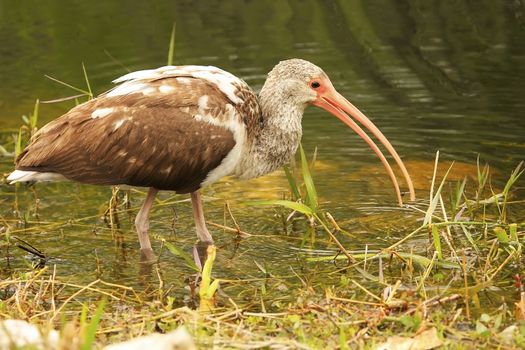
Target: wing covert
[{"x": 160, "y": 134}]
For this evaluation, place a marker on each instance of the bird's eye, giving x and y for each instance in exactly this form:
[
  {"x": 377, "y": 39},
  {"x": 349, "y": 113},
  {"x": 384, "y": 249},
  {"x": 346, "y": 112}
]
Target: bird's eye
[{"x": 315, "y": 84}]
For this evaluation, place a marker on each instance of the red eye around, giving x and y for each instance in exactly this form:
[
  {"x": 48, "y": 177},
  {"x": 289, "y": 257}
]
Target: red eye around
[{"x": 315, "y": 84}]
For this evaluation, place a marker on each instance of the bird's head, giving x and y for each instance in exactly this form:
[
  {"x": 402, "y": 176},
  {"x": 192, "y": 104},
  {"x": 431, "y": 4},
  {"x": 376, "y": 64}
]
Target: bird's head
[{"x": 303, "y": 83}]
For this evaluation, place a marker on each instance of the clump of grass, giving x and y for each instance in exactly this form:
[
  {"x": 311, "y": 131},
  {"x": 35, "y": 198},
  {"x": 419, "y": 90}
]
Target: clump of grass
[
  {"x": 346, "y": 314},
  {"x": 306, "y": 202},
  {"x": 495, "y": 241},
  {"x": 89, "y": 329}
]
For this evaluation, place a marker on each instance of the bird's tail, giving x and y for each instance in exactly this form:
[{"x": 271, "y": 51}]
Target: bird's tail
[{"x": 33, "y": 176}]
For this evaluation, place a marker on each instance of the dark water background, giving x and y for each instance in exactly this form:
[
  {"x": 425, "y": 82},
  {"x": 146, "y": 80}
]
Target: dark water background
[{"x": 433, "y": 75}]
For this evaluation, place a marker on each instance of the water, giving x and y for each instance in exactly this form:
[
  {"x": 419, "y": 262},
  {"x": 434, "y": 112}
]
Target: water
[{"x": 431, "y": 75}]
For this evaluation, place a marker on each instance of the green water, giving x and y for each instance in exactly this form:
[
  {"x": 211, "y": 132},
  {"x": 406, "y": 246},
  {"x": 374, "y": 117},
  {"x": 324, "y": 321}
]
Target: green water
[{"x": 432, "y": 75}]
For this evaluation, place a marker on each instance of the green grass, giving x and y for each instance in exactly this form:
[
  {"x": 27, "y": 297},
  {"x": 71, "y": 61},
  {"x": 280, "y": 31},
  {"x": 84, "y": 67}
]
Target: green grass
[{"x": 171, "y": 50}]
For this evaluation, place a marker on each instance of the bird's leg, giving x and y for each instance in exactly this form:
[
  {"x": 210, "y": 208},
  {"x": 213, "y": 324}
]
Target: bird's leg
[
  {"x": 198, "y": 214},
  {"x": 142, "y": 224},
  {"x": 205, "y": 238},
  {"x": 200, "y": 254}
]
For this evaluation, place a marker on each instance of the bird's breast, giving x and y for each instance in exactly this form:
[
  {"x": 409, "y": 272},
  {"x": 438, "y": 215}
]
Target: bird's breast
[{"x": 269, "y": 152}]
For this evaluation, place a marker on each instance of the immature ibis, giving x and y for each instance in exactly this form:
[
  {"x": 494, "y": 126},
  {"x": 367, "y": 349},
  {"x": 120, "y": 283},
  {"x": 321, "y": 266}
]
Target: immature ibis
[{"x": 180, "y": 128}]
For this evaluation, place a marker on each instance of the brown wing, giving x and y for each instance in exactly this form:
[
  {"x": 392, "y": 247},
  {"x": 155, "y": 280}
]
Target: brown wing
[{"x": 144, "y": 138}]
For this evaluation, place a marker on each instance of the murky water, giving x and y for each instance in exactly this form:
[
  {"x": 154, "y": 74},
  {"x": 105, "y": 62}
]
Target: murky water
[{"x": 432, "y": 75}]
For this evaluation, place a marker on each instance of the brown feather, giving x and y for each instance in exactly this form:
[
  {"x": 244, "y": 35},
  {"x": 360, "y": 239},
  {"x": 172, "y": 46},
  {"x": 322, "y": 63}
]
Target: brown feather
[{"x": 147, "y": 140}]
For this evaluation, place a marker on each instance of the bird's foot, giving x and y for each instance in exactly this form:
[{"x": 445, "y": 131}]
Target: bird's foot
[
  {"x": 200, "y": 253},
  {"x": 147, "y": 261},
  {"x": 147, "y": 256}
]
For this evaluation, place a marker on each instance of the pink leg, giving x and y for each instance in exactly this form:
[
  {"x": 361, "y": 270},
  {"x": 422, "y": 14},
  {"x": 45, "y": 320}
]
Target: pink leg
[
  {"x": 142, "y": 222},
  {"x": 198, "y": 214}
]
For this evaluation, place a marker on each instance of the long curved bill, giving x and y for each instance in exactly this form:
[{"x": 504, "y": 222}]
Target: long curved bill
[{"x": 336, "y": 104}]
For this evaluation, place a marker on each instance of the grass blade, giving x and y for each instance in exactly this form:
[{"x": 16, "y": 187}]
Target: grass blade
[
  {"x": 117, "y": 61},
  {"x": 482, "y": 175},
  {"x": 87, "y": 81},
  {"x": 513, "y": 231},
  {"x": 469, "y": 238},
  {"x": 68, "y": 85},
  {"x": 457, "y": 196},
  {"x": 62, "y": 99},
  {"x": 513, "y": 177},
  {"x": 435, "y": 197},
  {"x": 300, "y": 207},
  {"x": 437, "y": 242},
  {"x": 501, "y": 234},
  {"x": 171, "y": 50},
  {"x": 311, "y": 193},
  {"x": 33, "y": 118},
  {"x": 181, "y": 254},
  {"x": 511, "y": 181},
  {"x": 91, "y": 330},
  {"x": 293, "y": 184}
]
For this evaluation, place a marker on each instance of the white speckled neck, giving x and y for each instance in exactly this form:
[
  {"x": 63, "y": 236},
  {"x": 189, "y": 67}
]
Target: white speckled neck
[{"x": 279, "y": 136}]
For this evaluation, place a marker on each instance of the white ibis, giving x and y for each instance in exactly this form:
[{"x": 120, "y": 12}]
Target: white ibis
[{"x": 180, "y": 128}]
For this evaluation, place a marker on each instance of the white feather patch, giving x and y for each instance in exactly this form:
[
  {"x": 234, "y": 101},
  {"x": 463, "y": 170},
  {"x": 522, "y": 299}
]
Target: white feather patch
[
  {"x": 182, "y": 80},
  {"x": 127, "y": 88},
  {"x": 101, "y": 112},
  {"x": 118, "y": 124},
  {"x": 166, "y": 89},
  {"x": 223, "y": 80},
  {"x": 140, "y": 74},
  {"x": 148, "y": 91},
  {"x": 29, "y": 176},
  {"x": 203, "y": 104}
]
